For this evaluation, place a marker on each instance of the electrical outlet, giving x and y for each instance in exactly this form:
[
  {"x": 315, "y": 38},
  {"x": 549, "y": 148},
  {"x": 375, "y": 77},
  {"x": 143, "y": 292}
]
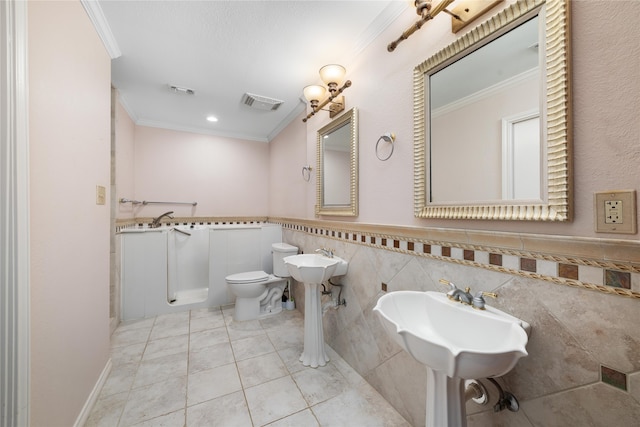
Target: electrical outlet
[{"x": 615, "y": 211}]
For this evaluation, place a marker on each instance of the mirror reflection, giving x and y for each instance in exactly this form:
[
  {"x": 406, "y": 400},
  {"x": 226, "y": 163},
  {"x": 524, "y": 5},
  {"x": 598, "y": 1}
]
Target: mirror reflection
[
  {"x": 491, "y": 120},
  {"x": 337, "y": 167},
  {"x": 487, "y": 106}
]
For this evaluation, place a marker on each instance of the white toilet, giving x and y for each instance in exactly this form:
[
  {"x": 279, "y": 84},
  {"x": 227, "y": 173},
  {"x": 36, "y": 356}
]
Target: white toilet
[{"x": 259, "y": 294}]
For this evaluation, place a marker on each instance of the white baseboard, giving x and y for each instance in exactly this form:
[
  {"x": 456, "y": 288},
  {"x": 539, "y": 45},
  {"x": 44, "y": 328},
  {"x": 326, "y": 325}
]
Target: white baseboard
[{"x": 93, "y": 396}]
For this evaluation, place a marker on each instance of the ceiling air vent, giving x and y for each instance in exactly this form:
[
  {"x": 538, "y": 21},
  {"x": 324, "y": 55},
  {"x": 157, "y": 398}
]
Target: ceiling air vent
[{"x": 261, "y": 102}]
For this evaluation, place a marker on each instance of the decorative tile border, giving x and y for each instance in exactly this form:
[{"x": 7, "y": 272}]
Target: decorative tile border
[
  {"x": 493, "y": 251},
  {"x": 142, "y": 223},
  {"x": 611, "y": 277}
]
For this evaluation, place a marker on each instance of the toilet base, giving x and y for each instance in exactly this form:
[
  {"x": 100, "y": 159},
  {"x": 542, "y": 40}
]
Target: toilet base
[
  {"x": 273, "y": 312},
  {"x": 240, "y": 315},
  {"x": 267, "y": 304}
]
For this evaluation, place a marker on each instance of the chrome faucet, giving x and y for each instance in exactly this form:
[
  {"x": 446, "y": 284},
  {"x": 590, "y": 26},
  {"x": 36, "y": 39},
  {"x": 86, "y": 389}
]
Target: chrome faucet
[
  {"x": 478, "y": 300},
  {"x": 156, "y": 221},
  {"x": 326, "y": 252},
  {"x": 465, "y": 297}
]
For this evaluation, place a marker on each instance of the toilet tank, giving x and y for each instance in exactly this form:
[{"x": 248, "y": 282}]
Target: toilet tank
[{"x": 281, "y": 250}]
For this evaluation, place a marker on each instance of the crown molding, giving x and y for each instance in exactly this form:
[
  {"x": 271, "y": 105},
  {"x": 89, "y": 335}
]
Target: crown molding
[{"x": 93, "y": 9}]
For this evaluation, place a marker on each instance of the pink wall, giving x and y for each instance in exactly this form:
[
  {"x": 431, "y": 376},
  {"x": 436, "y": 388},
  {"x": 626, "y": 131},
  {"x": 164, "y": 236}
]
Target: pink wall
[
  {"x": 227, "y": 177},
  {"x": 69, "y": 137},
  {"x": 125, "y": 138},
  {"x": 606, "y": 101},
  {"x": 287, "y": 188}
]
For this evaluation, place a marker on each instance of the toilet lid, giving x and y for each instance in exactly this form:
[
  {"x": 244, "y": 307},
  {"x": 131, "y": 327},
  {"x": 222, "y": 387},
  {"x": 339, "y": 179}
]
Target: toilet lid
[{"x": 247, "y": 277}]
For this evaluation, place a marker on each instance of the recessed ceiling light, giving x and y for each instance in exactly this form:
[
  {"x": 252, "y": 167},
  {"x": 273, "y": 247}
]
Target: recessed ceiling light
[{"x": 212, "y": 119}]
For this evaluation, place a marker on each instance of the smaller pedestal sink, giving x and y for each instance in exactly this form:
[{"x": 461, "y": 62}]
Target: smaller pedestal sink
[
  {"x": 455, "y": 342},
  {"x": 313, "y": 270}
]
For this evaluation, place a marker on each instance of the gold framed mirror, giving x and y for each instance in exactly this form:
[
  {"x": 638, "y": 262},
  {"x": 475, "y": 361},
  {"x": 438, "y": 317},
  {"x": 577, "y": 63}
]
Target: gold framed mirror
[
  {"x": 440, "y": 148},
  {"x": 337, "y": 161}
]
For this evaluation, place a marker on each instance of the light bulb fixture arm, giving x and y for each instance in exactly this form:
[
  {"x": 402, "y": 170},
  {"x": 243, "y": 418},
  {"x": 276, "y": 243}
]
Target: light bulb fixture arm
[
  {"x": 333, "y": 95},
  {"x": 426, "y": 13}
]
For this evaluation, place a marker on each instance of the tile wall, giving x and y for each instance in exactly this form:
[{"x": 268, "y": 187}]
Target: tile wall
[{"x": 583, "y": 367}]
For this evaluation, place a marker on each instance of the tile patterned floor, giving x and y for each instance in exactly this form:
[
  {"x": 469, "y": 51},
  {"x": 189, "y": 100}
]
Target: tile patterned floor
[{"x": 200, "y": 368}]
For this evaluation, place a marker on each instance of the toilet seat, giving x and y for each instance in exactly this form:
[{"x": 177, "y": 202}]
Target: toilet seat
[{"x": 248, "y": 277}]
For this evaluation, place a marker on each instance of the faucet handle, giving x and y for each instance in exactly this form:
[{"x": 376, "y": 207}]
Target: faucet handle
[
  {"x": 448, "y": 283},
  {"x": 453, "y": 293},
  {"x": 326, "y": 252},
  {"x": 478, "y": 299}
]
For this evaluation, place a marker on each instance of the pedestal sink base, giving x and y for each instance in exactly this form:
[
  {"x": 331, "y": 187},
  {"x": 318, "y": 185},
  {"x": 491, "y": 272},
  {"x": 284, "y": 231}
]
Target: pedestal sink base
[
  {"x": 445, "y": 400},
  {"x": 314, "y": 354}
]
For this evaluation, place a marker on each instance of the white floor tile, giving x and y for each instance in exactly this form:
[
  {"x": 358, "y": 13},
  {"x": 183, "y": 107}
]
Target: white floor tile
[
  {"x": 154, "y": 400},
  {"x": 229, "y": 410},
  {"x": 261, "y": 369},
  {"x": 320, "y": 384},
  {"x": 212, "y": 383},
  {"x": 160, "y": 369},
  {"x": 252, "y": 347},
  {"x": 300, "y": 419},
  {"x": 273, "y": 400},
  {"x": 204, "y": 368},
  {"x": 210, "y": 357}
]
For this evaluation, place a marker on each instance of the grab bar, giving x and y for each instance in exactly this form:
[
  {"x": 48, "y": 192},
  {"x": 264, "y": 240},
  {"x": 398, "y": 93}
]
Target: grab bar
[
  {"x": 133, "y": 202},
  {"x": 146, "y": 202},
  {"x": 180, "y": 231}
]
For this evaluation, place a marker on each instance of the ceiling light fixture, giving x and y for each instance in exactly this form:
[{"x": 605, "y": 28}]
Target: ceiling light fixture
[
  {"x": 424, "y": 9},
  {"x": 182, "y": 90},
  {"x": 332, "y": 75},
  {"x": 212, "y": 119}
]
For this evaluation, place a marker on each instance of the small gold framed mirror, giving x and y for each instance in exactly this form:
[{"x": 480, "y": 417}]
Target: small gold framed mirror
[{"x": 337, "y": 161}]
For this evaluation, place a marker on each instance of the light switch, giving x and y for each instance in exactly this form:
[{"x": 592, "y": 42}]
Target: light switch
[
  {"x": 615, "y": 211},
  {"x": 100, "y": 195}
]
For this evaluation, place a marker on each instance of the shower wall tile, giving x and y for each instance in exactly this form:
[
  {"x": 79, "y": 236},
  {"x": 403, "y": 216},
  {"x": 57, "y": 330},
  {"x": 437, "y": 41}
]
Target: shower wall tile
[
  {"x": 618, "y": 279},
  {"x": 481, "y": 257},
  {"x": 589, "y": 274},
  {"x": 547, "y": 268},
  {"x": 613, "y": 378},
  {"x": 511, "y": 262},
  {"x": 528, "y": 264},
  {"x": 635, "y": 282},
  {"x": 457, "y": 253},
  {"x": 599, "y": 405},
  {"x": 568, "y": 271},
  {"x": 495, "y": 259}
]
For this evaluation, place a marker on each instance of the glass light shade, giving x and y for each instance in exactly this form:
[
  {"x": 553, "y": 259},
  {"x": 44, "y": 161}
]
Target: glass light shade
[
  {"x": 314, "y": 92},
  {"x": 332, "y": 73}
]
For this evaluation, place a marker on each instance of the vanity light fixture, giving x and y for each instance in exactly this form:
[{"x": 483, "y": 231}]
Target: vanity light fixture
[
  {"x": 332, "y": 75},
  {"x": 425, "y": 9}
]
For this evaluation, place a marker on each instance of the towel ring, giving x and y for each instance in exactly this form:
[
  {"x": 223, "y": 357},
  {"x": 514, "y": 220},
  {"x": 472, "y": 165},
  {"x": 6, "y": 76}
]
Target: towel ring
[
  {"x": 306, "y": 176},
  {"x": 387, "y": 137}
]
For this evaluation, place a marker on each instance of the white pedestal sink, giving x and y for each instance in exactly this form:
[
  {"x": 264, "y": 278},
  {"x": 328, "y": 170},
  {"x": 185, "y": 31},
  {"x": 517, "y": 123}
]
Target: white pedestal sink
[
  {"x": 455, "y": 342},
  {"x": 313, "y": 270}
]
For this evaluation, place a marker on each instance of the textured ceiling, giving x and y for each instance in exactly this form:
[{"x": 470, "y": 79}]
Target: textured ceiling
[{"x": 223, "y": 49}]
